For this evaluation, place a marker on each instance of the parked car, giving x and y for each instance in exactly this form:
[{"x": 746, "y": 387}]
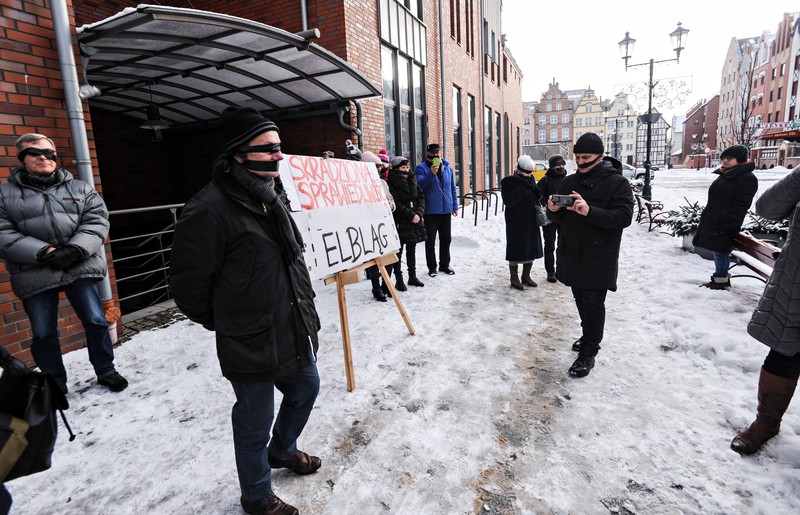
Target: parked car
[{"x": 636, "y": 173}]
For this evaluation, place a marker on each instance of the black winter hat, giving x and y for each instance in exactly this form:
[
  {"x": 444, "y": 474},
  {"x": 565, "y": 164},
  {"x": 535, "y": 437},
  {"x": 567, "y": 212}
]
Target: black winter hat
[
  {"x": 556, "y": 160},
  {"x": 738, "y": 152},
  {"x": 589, "y": 143},
  {"x": 240, "y": 125},
  {"x": 433, "y": 147}
]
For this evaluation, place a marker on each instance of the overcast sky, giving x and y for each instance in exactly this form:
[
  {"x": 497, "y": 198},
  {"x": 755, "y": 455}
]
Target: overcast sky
[{"x": 577, "y": 42}]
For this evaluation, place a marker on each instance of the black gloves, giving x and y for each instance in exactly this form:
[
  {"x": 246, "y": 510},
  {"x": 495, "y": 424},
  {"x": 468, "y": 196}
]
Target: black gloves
[{"x": 62, "y": 258}]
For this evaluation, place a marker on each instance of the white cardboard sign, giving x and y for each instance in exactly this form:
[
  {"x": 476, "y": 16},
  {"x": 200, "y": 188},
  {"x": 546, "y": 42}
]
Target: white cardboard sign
[{"x": 341, "y": 210}]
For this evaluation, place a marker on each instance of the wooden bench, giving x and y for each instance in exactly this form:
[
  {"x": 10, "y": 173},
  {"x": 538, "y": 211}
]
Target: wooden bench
[
  {"x": 652, "y": 208},
  {"x": 757, "y": 255}
]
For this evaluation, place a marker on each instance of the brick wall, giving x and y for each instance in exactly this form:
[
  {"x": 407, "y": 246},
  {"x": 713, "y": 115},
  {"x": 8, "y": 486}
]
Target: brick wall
[{"x": 32, "y": 99}]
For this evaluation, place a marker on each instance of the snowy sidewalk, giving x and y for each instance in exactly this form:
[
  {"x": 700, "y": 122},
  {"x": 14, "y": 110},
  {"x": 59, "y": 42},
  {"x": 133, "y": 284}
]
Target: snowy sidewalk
[{"x": 473, "y": 414}]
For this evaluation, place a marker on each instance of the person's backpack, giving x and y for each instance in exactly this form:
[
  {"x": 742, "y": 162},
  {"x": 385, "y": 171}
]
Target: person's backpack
[{"x": 27, "y": 398}]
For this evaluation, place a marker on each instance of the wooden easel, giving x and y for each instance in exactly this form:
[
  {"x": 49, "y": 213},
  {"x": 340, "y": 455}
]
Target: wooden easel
[{"x": 352, "y": 276}]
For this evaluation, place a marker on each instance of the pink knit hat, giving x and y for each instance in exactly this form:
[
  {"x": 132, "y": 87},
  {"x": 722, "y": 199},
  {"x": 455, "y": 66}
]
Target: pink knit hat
[{"x": 383, "y": 155}]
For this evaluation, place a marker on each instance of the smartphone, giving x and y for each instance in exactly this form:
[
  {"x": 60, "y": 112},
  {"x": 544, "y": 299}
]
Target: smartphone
[
  {"x": 436, "y": 161},
  {"x": 563, "y": 200}
]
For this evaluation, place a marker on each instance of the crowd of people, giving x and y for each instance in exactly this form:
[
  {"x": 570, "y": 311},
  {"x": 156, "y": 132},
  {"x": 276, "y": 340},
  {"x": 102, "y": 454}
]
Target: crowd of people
[{"x": 237, "y": 268}]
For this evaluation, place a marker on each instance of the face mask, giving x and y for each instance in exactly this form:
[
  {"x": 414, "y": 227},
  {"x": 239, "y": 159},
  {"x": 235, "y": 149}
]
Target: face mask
[
  {"x": 261, "y": 166},
  {"x": 36, "y": 152},
  {"x": 589, "y": 164}
]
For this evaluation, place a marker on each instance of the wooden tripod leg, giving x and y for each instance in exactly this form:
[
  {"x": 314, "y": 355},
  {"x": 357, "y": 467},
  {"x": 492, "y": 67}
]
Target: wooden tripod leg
[
  {"x": 396, "y": 298},
  {"x": 348, "y": 353}
]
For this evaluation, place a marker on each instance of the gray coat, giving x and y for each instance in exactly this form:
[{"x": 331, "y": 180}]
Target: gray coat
[
  {"x": 69, "y": 212},
  {"x": 776, "y": 320}
]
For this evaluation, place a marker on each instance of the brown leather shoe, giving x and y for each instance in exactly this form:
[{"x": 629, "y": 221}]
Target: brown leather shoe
[
  {"x": 269, "y": 505},
  {"x": 301, "y": 463}
]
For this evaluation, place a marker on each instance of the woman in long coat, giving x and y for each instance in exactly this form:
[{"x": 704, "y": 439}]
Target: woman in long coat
[
  {"x": 409, "y": 202},
  {"x": 523, "y": 240},
  {"x": 729, "y": 198},
  {"x": 776, "y": 320}
]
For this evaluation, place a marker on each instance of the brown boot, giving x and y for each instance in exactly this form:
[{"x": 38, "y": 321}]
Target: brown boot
[
  {"x": 269, "y": 505},
  {"x": 526, "y": 275},
  {"x": 774, "y": 395},
  {"x": 514, "y": 269}
]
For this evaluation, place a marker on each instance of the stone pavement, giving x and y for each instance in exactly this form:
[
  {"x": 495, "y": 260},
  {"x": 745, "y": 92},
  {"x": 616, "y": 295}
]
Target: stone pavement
[{"x": 154, "y": 317}]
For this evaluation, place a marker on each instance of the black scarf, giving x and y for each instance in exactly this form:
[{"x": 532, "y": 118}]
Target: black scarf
[
  {"x": 39, "y": 181},
  {"x": 262, "y": 190}
]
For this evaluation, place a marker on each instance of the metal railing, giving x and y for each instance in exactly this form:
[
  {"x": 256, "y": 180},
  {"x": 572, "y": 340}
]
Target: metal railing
[{"x": 141, "y": 255}]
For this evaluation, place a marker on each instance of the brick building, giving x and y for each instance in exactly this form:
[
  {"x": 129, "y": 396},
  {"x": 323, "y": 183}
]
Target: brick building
[{"x": 445, "y": 78}]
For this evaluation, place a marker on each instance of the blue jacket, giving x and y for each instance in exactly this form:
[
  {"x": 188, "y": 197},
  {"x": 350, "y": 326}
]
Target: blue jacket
[{"x": 440, "y": 192}]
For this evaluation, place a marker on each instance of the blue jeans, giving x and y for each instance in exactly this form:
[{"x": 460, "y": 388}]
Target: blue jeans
[
  {"x": 252, "y": 418},
  {"x": 722, "y": 261},
  {"x": 42, "y": 310}
]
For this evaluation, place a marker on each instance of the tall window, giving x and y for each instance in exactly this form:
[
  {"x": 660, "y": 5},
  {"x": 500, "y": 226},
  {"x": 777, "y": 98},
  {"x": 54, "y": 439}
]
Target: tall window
[
  {"x": 403, "y": 105},
  {"x": 498, "y": 170},
  {"x": 506, "y": 139},
  {"x": 564, "y": 134},
  {"x": 458, "y": 158},
  {"x": 471, "y": 138},
  {"x": 542, "y": 120},
  {"x": 565, "y": 118},
  {"x": 554, "y": 119},
  {"x": 541, "y": 136},
  {"x": 487, "y": 145},
  {"x": 553, "y": 135}
]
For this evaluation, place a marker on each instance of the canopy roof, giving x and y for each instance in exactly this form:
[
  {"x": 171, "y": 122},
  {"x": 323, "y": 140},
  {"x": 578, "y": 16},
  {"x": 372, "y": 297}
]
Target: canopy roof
[{"x": 193, "y": 64}]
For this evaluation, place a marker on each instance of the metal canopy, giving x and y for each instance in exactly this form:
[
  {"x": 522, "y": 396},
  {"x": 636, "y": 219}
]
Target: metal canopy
[{"x": 193, "y": 64}]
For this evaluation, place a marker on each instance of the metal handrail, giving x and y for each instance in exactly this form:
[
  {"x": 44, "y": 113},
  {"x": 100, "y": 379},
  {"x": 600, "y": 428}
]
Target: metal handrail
[{"x": 146, "y": 272}]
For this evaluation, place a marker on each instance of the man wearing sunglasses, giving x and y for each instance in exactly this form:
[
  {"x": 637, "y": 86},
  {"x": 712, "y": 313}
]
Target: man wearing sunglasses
[
  {"x": 237, "y": 268},
  {"x": 52, "y": 230}
]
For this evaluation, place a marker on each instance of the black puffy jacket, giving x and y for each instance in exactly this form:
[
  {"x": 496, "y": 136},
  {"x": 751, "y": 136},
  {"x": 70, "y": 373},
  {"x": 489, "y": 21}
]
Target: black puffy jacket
[
  {"x": 588, "y": 246},
  {"x": 228, "y": 273},
  {"x": 729, "y": 198}
]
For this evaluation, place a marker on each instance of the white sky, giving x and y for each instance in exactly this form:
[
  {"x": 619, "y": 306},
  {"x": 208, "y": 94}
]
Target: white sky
[
  {"x": 577, "y": 42},
  {"x": 475, "y": 412}
]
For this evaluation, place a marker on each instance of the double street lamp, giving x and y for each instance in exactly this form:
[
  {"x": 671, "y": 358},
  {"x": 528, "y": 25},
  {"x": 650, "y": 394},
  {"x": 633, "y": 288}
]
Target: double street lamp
[{"x": 678, "y": 36}]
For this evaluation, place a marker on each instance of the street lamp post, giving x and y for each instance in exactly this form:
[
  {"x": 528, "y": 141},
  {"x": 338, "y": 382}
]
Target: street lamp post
[{"x": 678, "y": 37}]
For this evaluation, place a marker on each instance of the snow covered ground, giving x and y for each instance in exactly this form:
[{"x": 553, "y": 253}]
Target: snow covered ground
[{"x": 475, "y": 413}]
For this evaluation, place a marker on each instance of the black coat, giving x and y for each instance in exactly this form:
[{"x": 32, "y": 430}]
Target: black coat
[
  {"x": 729, "y": 198},
  {"x": 523, "y": 240},
  {"x": 228, "y": 273},
  {"x": 549, "y": 184},
  {"x": 588, "y": 246},
  {"x": 409, "y": 200}
]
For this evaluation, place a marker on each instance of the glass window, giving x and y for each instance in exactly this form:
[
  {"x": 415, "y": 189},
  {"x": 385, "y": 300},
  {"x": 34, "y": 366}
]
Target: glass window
[
  {"x": 387, "y": 73},
  {"x": 553, "y": 134},
  {"x": 499, "y": 160},
  {"x": 470, "y": 140},
  {"x": 405, "y": 133},
  {"x": 578, "y": 122},
  {"x": 389, "y": 130},
  {"x": 589, "y": 108},
  {"x": 558, "y": 107},
  {"x": 543, "y": 120},
  {"x": 417, "y": 77},
  {"x": 565, "y": 118},
  {"x": 457, "y": 156},
  {"x": 554, "y": 119},
  {"x": 541, "y": 135},
  {"x": 527, "y": 120},
  {"x": 564, "y": 134},
  {"x": 487, "y": 144},
  {"x": 549, "y": 107},
  {"x": 402, "y": 81}
]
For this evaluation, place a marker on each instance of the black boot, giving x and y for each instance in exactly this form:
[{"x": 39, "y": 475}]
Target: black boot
[
  {"x": 582, "y": 366},
  {"x": 718, "y": 283},
  {"x": 412, "y": 279},
  {"x": 374, "y": 276},
  {"x": 526, "y": 275},
  {"x": 514, "y": 269},
  {"x": 399, "y": 285},
  {"x": 384, "y": 288}
]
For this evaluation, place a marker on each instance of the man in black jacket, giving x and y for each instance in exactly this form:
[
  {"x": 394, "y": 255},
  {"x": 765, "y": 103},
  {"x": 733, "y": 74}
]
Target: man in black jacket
[
  {"x": 549, "y": 185},
  {"x": 237, "y": 268},
  {"x": 589, "y": 239}
]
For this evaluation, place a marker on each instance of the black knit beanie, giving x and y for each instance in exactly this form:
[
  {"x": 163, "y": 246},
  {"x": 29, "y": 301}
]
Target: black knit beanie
[
  {"x": 738, "y": 152},
  {"x": 589, "y": 143},
  {"x": 240, "y": 125},
  {"x": 556, "y": 160}
]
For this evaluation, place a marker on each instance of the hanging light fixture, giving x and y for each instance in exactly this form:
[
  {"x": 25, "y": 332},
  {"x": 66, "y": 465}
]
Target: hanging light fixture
[{"x": 154, "y": 121}]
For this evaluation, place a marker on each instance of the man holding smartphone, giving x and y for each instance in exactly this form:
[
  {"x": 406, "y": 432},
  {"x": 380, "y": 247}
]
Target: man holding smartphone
[
  {"x": 438, "y": 182},
  {"x": 593, "y": 207}
]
